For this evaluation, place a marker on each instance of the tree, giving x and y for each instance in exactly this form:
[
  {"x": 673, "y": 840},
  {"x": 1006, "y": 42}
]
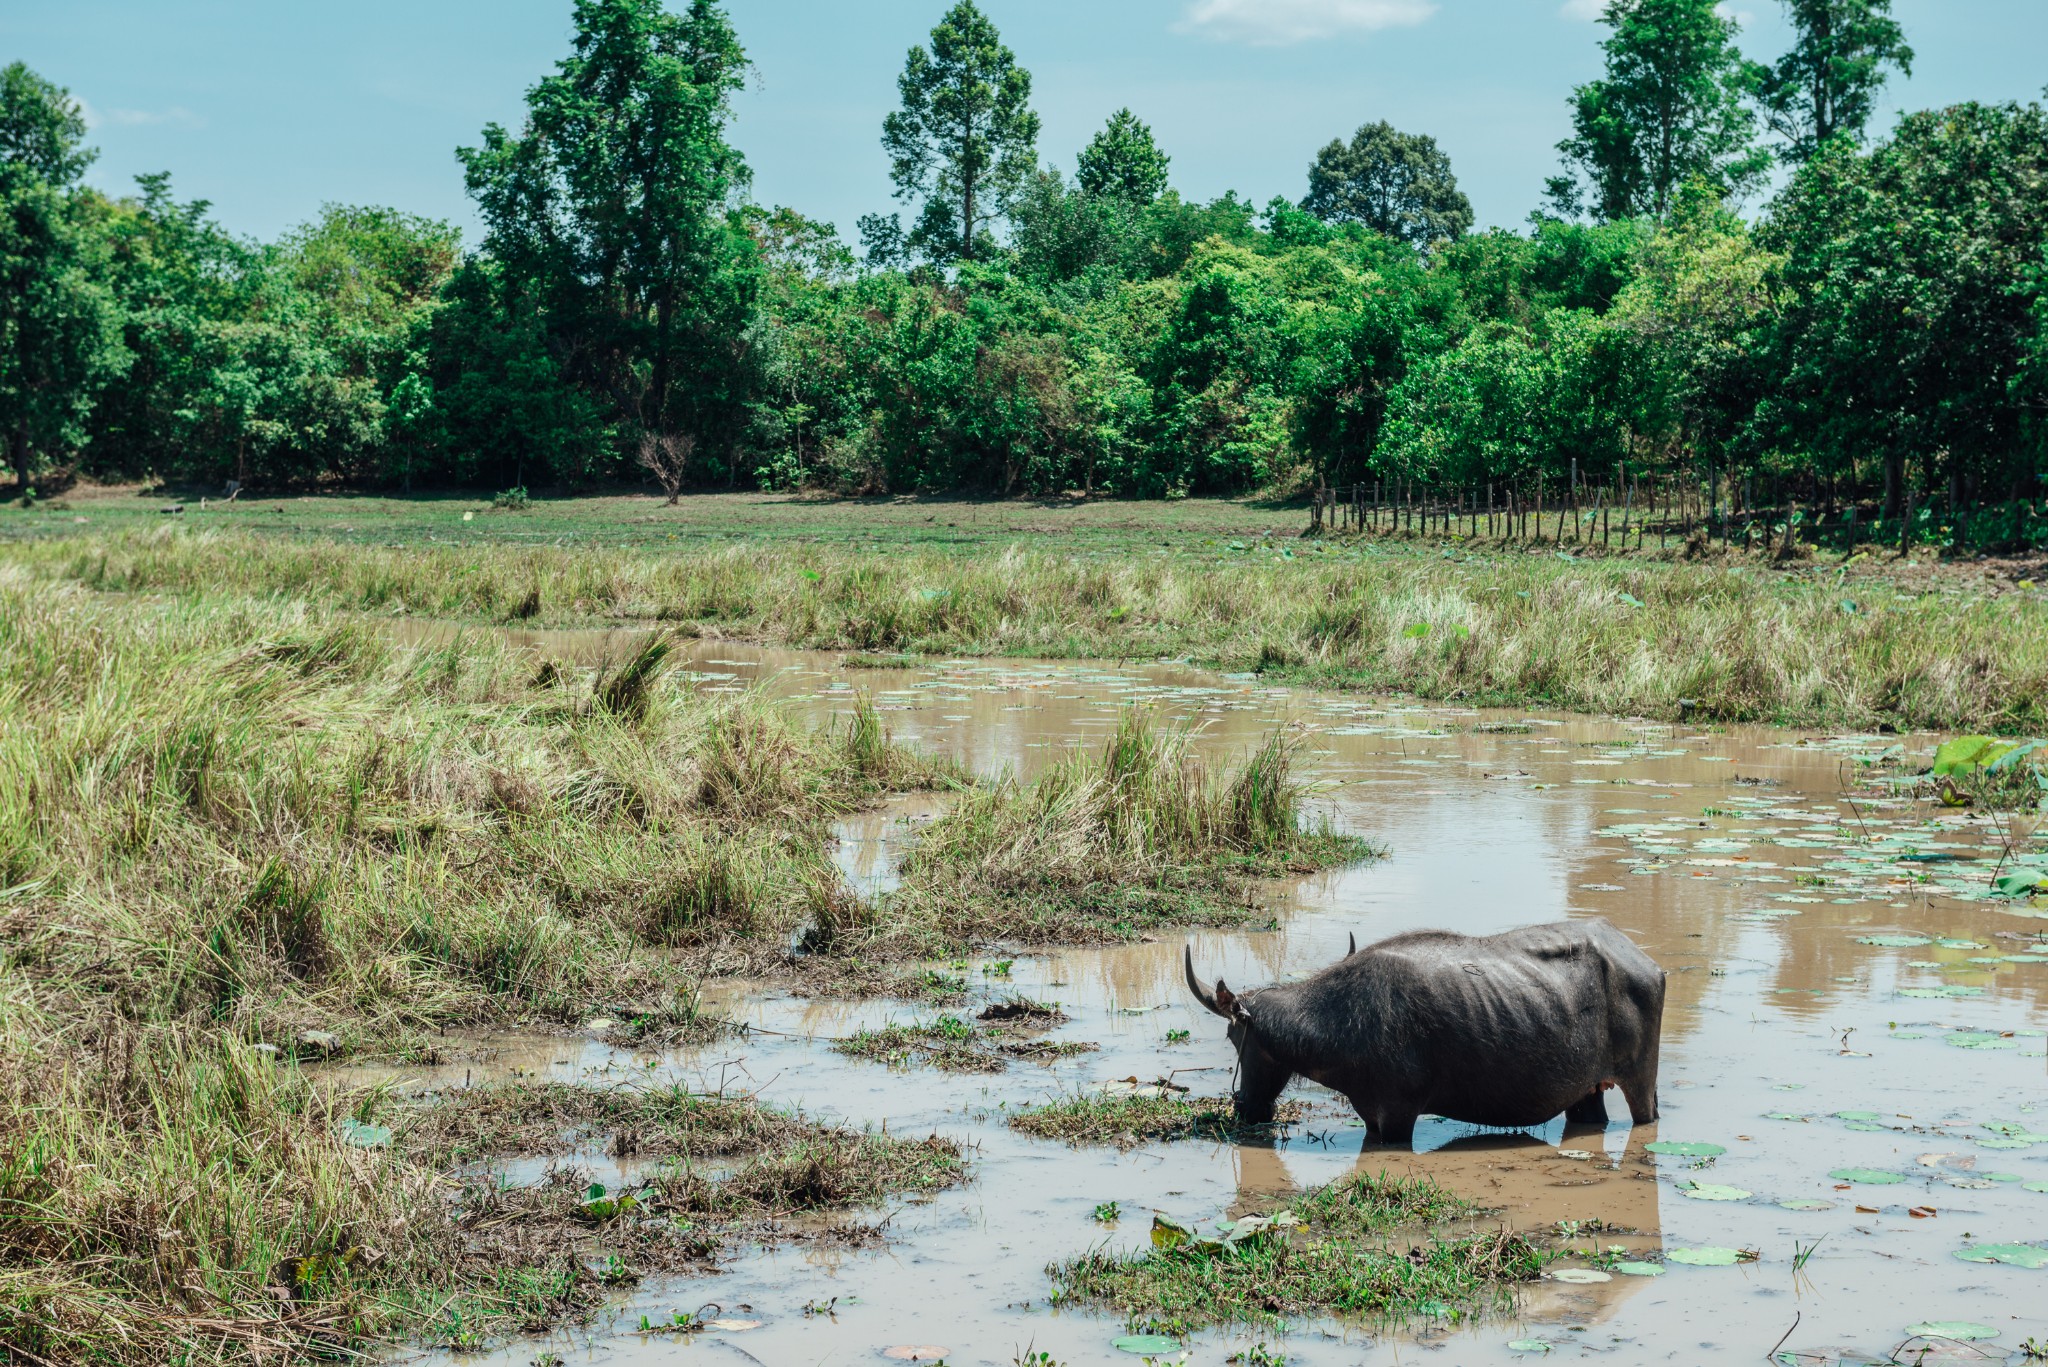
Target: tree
[
  {"x": 1913, "y": 275},
  {"x": 1123, "y": 162},
  {"x": 1397, "y": 184},
  {"x": 965, "y": 140},
  {"x": 1825, "y": 86},
  {"x": 1670, "y": 111},
  {"x": 610, "y": 213},
  {"x": 60, "y": 322}
]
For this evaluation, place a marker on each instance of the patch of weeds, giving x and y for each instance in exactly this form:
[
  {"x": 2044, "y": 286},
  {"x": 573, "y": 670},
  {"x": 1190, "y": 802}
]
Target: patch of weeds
[
  {"x": 1106, "y": 845},
  {"x": 1129, "y": 1119},
  {"x": 1364, "y": 1246},
  {"x": 1179, "y": 1036},
  {"x": 1258, "y": 1355},
  {"x": 560, "y": 1118},
  {"x": 1003, "y": 1030},
  {"x": 1107, "y": 1212},
  {"x": 946, "y": 1042}
]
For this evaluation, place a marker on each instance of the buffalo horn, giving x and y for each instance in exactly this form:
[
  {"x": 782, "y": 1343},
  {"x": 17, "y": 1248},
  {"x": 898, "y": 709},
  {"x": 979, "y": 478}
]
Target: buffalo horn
[{"x": 1202, "y": 994}]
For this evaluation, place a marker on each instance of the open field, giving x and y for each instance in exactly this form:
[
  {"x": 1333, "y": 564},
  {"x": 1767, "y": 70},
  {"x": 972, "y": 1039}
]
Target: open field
[{"x": 1862, "y": 641}]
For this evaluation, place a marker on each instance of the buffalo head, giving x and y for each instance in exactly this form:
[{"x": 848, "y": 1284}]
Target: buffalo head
[{"x": 1260, "y": 1076}]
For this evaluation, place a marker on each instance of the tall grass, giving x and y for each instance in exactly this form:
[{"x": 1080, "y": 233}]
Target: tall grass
[
  {"x": 1623, "y": 636},
  {"x": 1104, "y": 844},
  {"x": 232, "y": 832}
]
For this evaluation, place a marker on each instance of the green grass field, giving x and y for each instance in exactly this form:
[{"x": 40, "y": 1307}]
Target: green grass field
[{"x": 1860, "y": 640}]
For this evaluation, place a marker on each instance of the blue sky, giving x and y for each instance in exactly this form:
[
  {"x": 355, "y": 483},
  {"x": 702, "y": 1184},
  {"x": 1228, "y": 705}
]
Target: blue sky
[{"x": 271, "y": 107}]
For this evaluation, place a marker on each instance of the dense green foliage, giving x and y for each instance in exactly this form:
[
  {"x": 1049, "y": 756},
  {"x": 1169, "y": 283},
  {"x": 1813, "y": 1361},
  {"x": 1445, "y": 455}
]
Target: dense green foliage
[{"x": 1878, "y": 331}]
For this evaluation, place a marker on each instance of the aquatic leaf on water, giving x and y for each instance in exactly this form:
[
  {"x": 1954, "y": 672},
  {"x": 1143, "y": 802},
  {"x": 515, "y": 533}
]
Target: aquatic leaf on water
[
  {"x": 1685, "y": 1149},
  {"x": 1969, "y": 752},
  {"x": 1147, "y": 1345},
  {"x": 1633, "y": 1269},
  {"x": 1856, "y": 1115},
  {"x": 1168, "y": 1232},
  {"x": 1872, "y": 1177},
  {"x": 2041, "y": 1187},
  {"x": 2015, "y": 1255},
  {"x": 1951, "y": 1329},
  {"x": 1580, "y": 1276},
  {"x": 1709, "y": 1191},
  {"x": 362, "y": 1135},
  {"x": 1807, "y": 1203},
  {"x": 1894, "y": 941},
  {"x": 1528, "y": 1346},
  {"x": 1705, "y": 1257}
]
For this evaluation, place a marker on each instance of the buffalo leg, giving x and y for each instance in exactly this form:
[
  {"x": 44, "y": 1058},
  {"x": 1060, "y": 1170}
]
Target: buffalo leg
[
  {"x": 1639, "y": 1085},
  {"x": 1588, "y": 1110},
  {"x": 1397, "y": 1128}
]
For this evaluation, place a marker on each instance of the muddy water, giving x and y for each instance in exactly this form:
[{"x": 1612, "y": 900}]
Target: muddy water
[{"x": 1729, "y": 854}]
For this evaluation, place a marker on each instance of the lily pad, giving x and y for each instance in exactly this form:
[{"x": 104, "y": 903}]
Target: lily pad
[
  {"x": 2041, "y": 1187},
  {"x": 1855, "y": 1115},
  {"x": 1528, "y": 1346},
  {"x": 1705, "y": 1257},
  {"x": 1640, "y": 1269},
  {"x": 1870, "y": 1177},
  {"x": 1580, "y": 1276},
  {"x": 1894, "y": 941},
  {"x": 1807, "y": 1203},
  {"x": 1685, "y": 1149},
  {"x": 2015, "y": 1255},
  {"x": 1147, "y": 1345},
  {"x": 1951, "y": 1329},
  {"x": 1709, "y": 1191}
]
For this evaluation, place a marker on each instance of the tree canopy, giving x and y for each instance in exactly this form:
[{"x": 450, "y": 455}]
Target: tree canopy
[{"x": 1397, "y": 184}]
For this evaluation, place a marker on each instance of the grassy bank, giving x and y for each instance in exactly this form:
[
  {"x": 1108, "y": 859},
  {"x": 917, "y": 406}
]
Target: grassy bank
[
  {"x": 1370, "y": 1246},
  {"x": 237, "y": 833},
  {"x": 1616, "y": 636}
]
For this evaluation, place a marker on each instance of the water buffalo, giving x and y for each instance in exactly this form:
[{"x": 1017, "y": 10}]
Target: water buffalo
[{"x": 1504, "y": 1030}]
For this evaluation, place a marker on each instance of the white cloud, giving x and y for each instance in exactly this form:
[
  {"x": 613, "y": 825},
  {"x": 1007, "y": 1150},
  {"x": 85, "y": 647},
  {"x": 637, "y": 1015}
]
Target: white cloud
[
  {"x": 1274, "y": 22},
  {"x": 176, "y": 115},
  {"x": 1584, "y": 9}
]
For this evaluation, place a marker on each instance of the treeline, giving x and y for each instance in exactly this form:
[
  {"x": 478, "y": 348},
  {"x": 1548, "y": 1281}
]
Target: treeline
[{"x": 1877, "y": 331}]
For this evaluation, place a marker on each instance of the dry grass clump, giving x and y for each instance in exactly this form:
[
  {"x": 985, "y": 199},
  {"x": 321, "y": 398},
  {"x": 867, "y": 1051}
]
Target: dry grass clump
[
  {"x": 1617, "y": 636},
  {"x": 1104, "y": 845},
  {"x": 1362, "y": 1246}
]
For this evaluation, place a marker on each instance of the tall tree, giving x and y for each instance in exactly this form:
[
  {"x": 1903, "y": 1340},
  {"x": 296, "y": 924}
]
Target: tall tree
[
  {"x": 965, "y": 140},
  {"x": 1397, "y": 184},
  {"x": 60, "y": 323},
  {"x": 610, "y": 212},
  {"x": 1123, "y": 162},
  {"x": 1670, "y": 110},
  {"x": 1825, "y": 86}
]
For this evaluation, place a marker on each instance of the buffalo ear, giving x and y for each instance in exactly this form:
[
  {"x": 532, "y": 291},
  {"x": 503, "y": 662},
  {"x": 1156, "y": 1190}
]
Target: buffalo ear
[{"x": 1227, "y": 1003}]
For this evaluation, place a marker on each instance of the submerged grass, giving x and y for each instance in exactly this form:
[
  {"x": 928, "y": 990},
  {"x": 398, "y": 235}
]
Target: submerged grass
[
  {"x": 1128, "y": 1119},
  {"x": 1815, "y": 645},
  {"x": 1106, "y": 845},
  {"x": 1363, "y": 1246}
]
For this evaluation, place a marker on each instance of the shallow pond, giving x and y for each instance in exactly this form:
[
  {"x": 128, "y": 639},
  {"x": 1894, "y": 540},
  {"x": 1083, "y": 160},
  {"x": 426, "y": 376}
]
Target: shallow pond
[{"x": 1792, "y": 1041}]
